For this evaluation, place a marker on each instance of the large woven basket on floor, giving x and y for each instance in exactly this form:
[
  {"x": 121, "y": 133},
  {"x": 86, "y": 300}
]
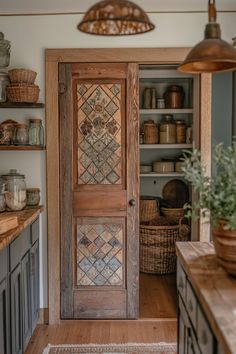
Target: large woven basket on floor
[{"x": 157, "y": 247}]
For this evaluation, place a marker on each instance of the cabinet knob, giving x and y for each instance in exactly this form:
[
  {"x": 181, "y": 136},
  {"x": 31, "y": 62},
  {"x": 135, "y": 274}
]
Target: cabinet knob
[{"x": 132, "y": 202}]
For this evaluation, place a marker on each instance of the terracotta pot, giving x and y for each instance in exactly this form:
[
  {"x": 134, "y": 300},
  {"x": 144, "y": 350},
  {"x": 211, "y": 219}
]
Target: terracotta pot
[{"x": 225, "y": 247}]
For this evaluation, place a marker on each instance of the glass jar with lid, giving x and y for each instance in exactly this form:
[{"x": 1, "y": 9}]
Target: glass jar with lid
[
  {"x": 5, "y": 47},
  {"x": 21, "y": 136},
  {"x": 167, "y": 130},
  {"x": 36, "y": 134},
  {"x": 32, "y": 196},
  {"x": 4, "y": 81},
  {"x": 15, "y": 194},
  {"x": 180, "y": 131}
]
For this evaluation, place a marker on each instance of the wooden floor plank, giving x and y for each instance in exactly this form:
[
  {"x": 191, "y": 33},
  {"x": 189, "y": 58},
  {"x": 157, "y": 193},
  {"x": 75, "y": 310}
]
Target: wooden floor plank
[
  {"x": 76, "y": 332},
  {"x": 158, "y": 296},
  {"x": 157, "y": 323}
]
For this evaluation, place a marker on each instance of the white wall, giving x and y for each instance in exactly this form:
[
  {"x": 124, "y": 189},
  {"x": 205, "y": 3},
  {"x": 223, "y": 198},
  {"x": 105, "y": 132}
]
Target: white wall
[{"x": 30, "y": 35}]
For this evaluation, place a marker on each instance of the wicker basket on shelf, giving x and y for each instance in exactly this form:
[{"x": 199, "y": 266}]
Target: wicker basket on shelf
[
  {"x": 149, "y": 209},
  {"x": 22, "y": 93},
  {"x": 157, "y": 247},
  {"x": 173, "y": 213},
  {"x": 25, "y": 76}
]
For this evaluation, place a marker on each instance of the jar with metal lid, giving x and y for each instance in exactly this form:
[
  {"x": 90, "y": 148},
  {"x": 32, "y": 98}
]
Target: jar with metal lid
[
  {"x": 174, "y": 96},
  {"x": 36, "y": 134},
  {"x": 32, "y": 196},
  {"x": 150, "y": 131},
  {"x": 15, "y": 194},
  {"x": 180, "y": 131},
  {"x": 5, "y": 47},
  {"x": 167, "y": 130},
  {"x": 4, "y": 81},
  {"x": 21, "y": 136}
]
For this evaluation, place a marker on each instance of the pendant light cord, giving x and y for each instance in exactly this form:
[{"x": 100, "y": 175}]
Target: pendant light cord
[{"x": 211, "y": 11}]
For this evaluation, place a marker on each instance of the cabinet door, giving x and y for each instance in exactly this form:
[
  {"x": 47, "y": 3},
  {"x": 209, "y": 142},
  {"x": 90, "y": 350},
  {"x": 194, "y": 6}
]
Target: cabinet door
[
  {"x": 99, "y": 190},
  {"x": 16, "y": 313},
  {"x": 34, "y": 268},
  {"x": 4, "y": 318},
  {"x": 26, "y": 300}
]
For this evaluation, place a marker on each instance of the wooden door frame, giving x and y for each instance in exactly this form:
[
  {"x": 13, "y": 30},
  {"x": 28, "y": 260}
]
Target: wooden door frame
[{"x": 130, "y": 55}]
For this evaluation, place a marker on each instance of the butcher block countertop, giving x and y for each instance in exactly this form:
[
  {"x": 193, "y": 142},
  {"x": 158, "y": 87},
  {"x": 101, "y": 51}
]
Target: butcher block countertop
[
  {"x": 215, "y": 289},
  {"x": 25, "y": 218}
]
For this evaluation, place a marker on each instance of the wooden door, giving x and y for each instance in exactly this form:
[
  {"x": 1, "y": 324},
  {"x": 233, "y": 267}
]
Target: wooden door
[{"x": 99, "y": 190}]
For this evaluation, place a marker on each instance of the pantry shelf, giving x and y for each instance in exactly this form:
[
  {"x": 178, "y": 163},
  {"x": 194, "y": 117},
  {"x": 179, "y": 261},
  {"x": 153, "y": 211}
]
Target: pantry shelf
[
  {"x": 22, "y": 147},
  {"x": 166, "y": 111},
  {"x": 165, "y": 146},
  {"x": 154, "y": 174}
]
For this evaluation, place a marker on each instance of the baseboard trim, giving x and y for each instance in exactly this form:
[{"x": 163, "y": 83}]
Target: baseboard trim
[{"x": 43, "y": 316}]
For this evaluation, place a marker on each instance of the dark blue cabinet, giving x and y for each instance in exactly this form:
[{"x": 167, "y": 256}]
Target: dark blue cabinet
[
  {"x": 19, "y": 291},
  {"x": 16, "y": 311},
  {"x": 4, "y": 318},
  {"x": 34, "y": 268},
  {"x": 26, "y": 299},
  {"x": 4, "y": 303}
]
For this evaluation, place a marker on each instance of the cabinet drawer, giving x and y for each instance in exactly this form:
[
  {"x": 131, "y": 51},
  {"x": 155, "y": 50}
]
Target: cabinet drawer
[
  {"x": 181, "y": 281},
  {"x": 3, "y": 263},
  {"x": 35, "y": 231},
  {"x": 204, "y": 334},
  {"x": 191, "y": 304},
  {"x": 19, "y": 247}
]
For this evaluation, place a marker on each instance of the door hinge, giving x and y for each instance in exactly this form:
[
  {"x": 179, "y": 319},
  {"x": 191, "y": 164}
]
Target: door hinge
[{"x": 61, "y": 88}]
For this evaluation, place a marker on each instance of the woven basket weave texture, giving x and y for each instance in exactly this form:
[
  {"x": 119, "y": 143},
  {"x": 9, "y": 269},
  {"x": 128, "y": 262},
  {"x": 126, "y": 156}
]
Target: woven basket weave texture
[{"x": 157, "y": 247}]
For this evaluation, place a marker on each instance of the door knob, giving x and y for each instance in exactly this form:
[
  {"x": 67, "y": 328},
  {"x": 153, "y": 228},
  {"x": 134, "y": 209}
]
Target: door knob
[{"x": 132, "y": 202}]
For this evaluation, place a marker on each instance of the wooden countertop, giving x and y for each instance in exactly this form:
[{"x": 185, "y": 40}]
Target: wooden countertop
[
  {"x": 25, "y": 218},
  {"x": 215, "y": 289}
]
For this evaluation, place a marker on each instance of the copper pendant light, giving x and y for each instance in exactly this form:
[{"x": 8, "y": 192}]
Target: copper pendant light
[
  {"x": 115, "y": 18},
  {"x": 211, "y": 54}
]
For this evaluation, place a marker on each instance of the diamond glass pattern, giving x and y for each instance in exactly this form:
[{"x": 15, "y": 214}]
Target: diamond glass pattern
[
  {"x": 99, "y": 133},
  {"x": 99, "y": 254}
]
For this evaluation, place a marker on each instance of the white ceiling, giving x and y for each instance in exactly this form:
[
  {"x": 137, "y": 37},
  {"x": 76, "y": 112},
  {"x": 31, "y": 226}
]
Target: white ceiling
[{"x": 68, "y": 6}]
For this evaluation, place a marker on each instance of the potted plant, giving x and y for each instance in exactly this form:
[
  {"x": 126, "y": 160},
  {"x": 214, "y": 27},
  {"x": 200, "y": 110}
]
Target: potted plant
[{"x": 217, "y": 198}]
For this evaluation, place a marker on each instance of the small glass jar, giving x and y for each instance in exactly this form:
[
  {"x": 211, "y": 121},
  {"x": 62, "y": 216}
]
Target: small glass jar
[
  {"x": 6, "y": 133},
  {"x": 15, "y": 194},
  {"x": 167, "y": 130},
  {"x": 5, "y": 47},
  {"x": 32, "y": 196},
  {"x": 4, "y": 81},
  {"x": 180, "y": 131},
  {"x": 21, "y": 136},
  {"x": 150, "y": 130},
  {"x": 160, "y": 103},
  {"x": 36, "y": 133}
]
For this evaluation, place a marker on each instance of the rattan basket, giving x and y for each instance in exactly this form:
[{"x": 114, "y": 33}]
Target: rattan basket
[
  {"x": 149, "y": 209},
  {"x": 173, "y": 213},
  {"x": 22, "y": 76},
  {"x": 22, "y": 93},
  {"x": 157, "y": 247}
]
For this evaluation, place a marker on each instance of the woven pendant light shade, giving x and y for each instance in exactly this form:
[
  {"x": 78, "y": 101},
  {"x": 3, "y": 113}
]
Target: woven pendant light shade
[
  {"x": 211, "y": 54},
  {"x": 115, "y": 18}
]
